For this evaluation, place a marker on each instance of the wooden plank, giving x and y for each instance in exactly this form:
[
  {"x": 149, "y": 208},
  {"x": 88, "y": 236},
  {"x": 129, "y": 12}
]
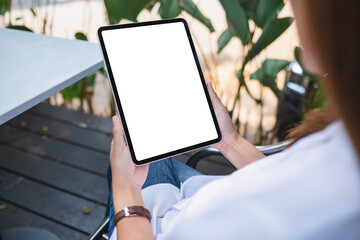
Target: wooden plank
[
  {"x": 51, "y": 203},
  {"x": 54, "y": 149},
  {"x": 80, "y": 136},
  {"x": 12, "y": 216},
  {"x": 76, "y": 118},
  {"x": 86, "y": 158},
  {"x": 72, "y": 117},
  {"x": 72, "y": 180}
]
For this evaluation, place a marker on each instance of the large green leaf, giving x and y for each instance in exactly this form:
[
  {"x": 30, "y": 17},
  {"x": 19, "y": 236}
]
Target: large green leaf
[
  {"x": 249, "y": 6},
  {"x": 20, "y": 27},
  {"x": 237, "y": 20},
  {"x": 266, "y": 11},
  {"x": 268, "y": 72},
  {"x": 169, "y": 9},
  {"x": 270, "y": 67},
  {"x": 5, "y": 6},
  {"x": 125, "y": 9},
  {"x": 224, "y": 39},
  {"x": 271, "y": 32},
  {"x": 190, "y": 7}
]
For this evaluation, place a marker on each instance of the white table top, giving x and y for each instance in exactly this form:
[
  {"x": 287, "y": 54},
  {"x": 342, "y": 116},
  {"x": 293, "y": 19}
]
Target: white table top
[{"x": 33, "y": 67}]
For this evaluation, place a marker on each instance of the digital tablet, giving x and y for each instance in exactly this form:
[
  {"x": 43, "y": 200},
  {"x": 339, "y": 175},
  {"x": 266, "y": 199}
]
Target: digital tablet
[{"x": 159, "y": 89}]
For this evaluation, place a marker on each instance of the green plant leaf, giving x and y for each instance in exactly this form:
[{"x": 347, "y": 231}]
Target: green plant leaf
[
  {"x": 91, "y": 80},
  {"x": 90, "y": 84},
  {"x": 33, "y": 12},
  {"x": 103, "y": 72},
  {"x": 224, "y": 39},
  {"x": 240, "y": 76},
  {"x": 297, "y": 54},
  {"x": 150, "y": 6},
  {"x": 268, "y": 72},
  {"x": 5, "y": 5},
  {"x": 20, "y": 27},
  {"x": 266, "y": 11},
  {"x": 190, "y": 7},
  {"x": 249, "y": 6},
  {"x": 81, "y": 36},
  {"x": 271, "y": 32},
  {"x": 71, "y": 91},
  {"x": 270, "y": 67},
  {"x": 125, "y": 9},
  {"x": 237, "y": 20},
  {"x": 169, "y": 9}
]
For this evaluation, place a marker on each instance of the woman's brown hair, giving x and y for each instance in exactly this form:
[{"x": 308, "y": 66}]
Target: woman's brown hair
[{"x": 333, "y": 30}]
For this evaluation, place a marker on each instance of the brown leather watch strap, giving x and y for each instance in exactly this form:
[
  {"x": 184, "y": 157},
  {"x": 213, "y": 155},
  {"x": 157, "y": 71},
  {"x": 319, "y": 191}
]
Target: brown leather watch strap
[{"x": 132, "y": 211}]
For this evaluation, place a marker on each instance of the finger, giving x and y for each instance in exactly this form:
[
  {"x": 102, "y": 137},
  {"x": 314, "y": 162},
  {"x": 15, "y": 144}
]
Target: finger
[{"x": 118, "y": 134}]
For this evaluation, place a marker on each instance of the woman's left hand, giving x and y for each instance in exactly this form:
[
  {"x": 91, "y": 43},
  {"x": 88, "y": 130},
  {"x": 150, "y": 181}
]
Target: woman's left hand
[
  {"x": 123, "y": 169},
  {"x": 127, "y": 180}
]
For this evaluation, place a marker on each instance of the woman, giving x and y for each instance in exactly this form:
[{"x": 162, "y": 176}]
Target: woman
[{"x": 309, "y": 191}]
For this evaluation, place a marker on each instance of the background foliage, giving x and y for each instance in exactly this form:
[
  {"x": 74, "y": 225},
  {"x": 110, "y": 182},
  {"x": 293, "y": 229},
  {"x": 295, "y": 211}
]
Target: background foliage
[{"x": 255, "y": 23}]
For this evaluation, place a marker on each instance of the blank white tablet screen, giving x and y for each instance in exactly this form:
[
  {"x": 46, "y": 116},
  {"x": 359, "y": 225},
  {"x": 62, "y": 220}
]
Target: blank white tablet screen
[{"x": 159, "y": 87}]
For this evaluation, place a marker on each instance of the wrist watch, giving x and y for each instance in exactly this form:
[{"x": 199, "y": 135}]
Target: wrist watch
[{"x": 132, "y": 211}]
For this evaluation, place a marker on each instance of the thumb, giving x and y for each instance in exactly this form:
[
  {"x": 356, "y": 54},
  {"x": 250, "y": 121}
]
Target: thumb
[{"x": 214, "y": 98}]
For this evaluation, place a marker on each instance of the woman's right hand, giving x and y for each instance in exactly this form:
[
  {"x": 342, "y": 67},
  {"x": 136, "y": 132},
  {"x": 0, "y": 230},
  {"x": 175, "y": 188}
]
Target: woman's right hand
[
  {"x": 235, "y": 148},
  {"x": 226, "y": 126}
]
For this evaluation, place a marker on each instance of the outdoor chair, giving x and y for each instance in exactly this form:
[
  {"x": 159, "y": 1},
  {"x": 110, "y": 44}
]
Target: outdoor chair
[{"x": 101, "y": 233}]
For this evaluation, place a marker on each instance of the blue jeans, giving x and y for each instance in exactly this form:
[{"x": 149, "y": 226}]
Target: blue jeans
[{"x": 164, "y": 171}]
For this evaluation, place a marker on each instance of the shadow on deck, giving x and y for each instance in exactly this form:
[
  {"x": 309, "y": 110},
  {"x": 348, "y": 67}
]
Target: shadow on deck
[{"x": 53, "y": 163}]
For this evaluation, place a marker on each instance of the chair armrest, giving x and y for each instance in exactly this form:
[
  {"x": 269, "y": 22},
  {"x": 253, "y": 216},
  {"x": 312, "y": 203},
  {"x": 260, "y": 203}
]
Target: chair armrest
[
  {"x": 101, "y": 232},
  {"x": 210, "y": 151},
  {"x": 273, "y": 148}
]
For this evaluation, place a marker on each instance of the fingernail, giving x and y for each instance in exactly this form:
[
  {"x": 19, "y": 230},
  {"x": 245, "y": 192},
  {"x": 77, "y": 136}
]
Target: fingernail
[{"x": 114, "y": 120}]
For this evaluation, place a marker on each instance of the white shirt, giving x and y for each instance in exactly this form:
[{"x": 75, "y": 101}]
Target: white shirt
[{"x": 309, "y": 191}]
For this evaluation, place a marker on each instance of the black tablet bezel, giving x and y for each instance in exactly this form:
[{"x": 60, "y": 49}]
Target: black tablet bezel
[{"x": 117, "y": 99}]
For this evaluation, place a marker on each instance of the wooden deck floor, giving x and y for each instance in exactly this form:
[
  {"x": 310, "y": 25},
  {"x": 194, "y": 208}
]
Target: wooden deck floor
[{"x": 53, "y": 162}]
